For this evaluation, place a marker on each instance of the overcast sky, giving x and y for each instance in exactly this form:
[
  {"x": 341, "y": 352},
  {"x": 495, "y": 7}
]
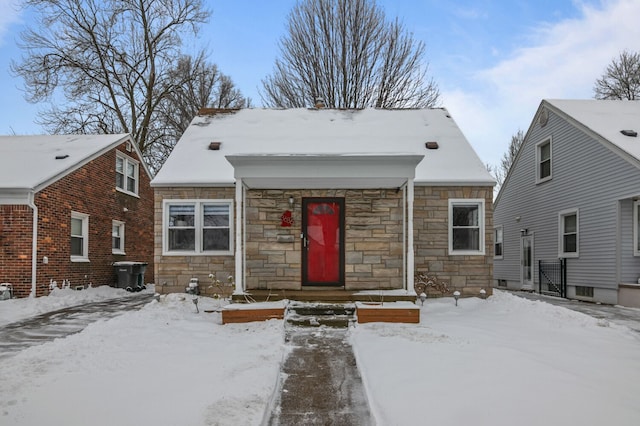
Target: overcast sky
[{"x": 493, "y": 60}]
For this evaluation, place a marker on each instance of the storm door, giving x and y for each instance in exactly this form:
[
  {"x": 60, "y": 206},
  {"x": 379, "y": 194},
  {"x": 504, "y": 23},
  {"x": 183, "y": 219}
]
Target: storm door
[{"x": 323, "y": 241}]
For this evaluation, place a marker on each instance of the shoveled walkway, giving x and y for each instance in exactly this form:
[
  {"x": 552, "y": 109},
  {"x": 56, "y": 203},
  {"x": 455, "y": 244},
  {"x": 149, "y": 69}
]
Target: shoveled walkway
[{"x": 319, "y": 382}]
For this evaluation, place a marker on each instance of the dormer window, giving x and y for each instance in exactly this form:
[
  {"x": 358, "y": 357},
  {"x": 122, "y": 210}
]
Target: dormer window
[{"x": 127, "y": 174}]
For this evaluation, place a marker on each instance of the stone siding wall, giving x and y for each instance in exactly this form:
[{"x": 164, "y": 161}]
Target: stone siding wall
[
  {"x": 467, "y": 274},
  {"x": 174, "y": 272},
  {"x": 373, "y": 240}
]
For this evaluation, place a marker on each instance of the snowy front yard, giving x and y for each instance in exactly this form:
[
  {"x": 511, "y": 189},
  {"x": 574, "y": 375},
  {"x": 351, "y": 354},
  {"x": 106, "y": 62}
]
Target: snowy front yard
[{"x": 501, "y": 361}]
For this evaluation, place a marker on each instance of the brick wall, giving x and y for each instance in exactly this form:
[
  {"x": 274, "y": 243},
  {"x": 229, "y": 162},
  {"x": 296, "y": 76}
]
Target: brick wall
[
  {"x": 89, "y": 190},
  {"x": 15, "y": 247},
  {"x": 468, "y": 274}
]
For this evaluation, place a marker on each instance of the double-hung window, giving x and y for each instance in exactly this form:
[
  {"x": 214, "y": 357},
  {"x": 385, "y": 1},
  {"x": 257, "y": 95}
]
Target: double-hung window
[
  {"x": 79, "y": 237},
  {"x": 568, "y": 233},
  {"x": 466, "y": 226},
  {"x": 497, "y": 242},
  {"x": 117, "y": 237},
  {"x": 127, "y": 170},
  {"x": 198, "y": 227},
  {"x": 543, "y": 161}
]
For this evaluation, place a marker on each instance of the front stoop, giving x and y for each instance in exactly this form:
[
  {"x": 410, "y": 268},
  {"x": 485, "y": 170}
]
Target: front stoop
[
  {"x": 317, "y": 314},
  {"x": 400, "y": 312}
]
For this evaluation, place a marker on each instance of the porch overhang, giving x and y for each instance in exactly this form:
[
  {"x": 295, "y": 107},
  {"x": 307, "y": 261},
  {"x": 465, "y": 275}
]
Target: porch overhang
[{"x": 315, "y": 171}]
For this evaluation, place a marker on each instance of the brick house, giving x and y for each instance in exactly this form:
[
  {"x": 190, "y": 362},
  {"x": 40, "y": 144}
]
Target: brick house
[
  {"x": 71, "y": 206},
  {"x": 295, "y": 200}
]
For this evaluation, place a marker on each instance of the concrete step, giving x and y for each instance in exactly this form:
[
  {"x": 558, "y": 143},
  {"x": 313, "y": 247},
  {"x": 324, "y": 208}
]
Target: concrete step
[{"x": 319, "y": 314}]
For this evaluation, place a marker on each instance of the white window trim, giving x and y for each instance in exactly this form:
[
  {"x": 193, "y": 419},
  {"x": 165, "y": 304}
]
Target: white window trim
[
  {"x": 467, "y": 201},
  {"x": 120, "y": 225},
  {"x": 538, "y": 145},
  {"x": 128, "y": 160},
  {"x": 561, "y": 216},
  {"x": 198, "y": 226},
  {"x": 495, "y": 256},
  {"x": 636, "y": 231},
  {"x": 85, "y": 237}
]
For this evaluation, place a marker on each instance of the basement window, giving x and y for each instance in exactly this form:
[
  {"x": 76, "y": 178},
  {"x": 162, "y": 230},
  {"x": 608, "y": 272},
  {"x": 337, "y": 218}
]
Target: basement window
[{"x": 584, "y": 291}]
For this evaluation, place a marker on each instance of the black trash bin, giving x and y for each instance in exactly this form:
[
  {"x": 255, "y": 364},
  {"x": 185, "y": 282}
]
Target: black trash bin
[{"x": 130, "y": 275}]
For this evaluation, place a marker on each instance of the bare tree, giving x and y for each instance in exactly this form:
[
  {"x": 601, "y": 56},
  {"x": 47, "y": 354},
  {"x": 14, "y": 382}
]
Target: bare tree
[
  {"x": 348, "y": 54},
  {"x": 111, "y": 61},
  {"x": 621, "y": 79},
  {"x": 500, "y": 172},
  {"x": 199, "y": 84}
]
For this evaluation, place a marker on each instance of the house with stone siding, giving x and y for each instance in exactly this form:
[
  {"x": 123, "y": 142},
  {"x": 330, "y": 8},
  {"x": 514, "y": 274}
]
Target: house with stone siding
[
  {"x": 71, "y": 206},
  {"x": 292, "y": 201}
]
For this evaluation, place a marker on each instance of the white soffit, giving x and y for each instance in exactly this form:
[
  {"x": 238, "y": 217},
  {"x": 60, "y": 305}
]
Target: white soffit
[{"x": 324, "y": 171}]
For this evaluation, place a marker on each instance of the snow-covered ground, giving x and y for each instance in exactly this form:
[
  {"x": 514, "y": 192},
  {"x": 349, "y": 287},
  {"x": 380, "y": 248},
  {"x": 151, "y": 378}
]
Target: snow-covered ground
[{"x": 501, "y": 361}]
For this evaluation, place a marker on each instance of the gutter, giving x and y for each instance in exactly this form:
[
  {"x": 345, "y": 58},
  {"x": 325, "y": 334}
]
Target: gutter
[{"x": 34, "y": 244}]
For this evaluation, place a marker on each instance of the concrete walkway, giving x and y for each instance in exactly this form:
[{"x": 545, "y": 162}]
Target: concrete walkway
[{"x": 319, "y": 381}]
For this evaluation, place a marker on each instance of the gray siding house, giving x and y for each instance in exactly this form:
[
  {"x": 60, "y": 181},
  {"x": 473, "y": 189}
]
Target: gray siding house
[{"x": 573, "y": 193}]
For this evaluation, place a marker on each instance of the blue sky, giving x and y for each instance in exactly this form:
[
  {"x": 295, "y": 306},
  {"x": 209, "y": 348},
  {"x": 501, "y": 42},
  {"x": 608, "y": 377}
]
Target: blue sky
[{"x": 493, "y": 60}]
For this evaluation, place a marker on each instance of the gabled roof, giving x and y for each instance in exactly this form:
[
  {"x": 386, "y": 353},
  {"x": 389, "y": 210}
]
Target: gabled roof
[
  {"x": 323, "y": 133},
  {"x": 29, "y": 163},
  {"x": 606, "y": 118},
  {"x": 602, "y": 119}
]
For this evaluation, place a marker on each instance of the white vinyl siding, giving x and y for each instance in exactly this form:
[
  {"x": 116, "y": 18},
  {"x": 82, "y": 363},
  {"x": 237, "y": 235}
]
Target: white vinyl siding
[{"x": 198, "y": 227}]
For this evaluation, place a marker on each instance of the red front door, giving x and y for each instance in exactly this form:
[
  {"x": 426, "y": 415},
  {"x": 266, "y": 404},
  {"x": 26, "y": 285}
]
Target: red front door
[{"x": 323, "y": 241}]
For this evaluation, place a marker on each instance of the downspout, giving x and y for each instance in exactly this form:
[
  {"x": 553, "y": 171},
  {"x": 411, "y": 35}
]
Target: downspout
[
  {"x": 239, "y": 231},
  {"x": 34, "y": 244},
  {"x": 410, "y": 251}
]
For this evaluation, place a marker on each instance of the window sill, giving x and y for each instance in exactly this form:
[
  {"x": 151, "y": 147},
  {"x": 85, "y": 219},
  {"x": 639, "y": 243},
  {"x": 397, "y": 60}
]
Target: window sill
[
  {"x": 119, "y": 253},
  {"x": 539, "y": 181},
  {"x": 80, "y": 260},
  {"x": 569, "y": 255},
  {"x": 466, "y": 253},
  {"x": 133, "y": 194},
  {"x": 193, "y": 253},
  {"x": 498, "y": 257}
]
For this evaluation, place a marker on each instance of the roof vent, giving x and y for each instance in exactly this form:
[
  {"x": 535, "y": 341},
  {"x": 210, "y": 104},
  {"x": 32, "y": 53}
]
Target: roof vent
[
  {"x": 431, "y": 145},
  {"x": 62, "y": 157},
  {"x": 215, "y": 146},
  {"x": 631, "y": 133},
  {"x": 319, "y": 103}
]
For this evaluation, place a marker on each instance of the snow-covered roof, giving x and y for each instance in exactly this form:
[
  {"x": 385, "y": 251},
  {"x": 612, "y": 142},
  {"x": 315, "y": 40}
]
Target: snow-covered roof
[
  {"x": 606, "y": 118},
  {"x": 29, "y": 163},
  {"x": 323, "y": 133}
]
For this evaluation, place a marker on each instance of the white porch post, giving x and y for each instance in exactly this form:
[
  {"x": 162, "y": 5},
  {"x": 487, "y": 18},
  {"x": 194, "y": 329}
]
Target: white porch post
[
  {"x": 239, "y": 232},
  {"x": 410, "y": 252}
]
